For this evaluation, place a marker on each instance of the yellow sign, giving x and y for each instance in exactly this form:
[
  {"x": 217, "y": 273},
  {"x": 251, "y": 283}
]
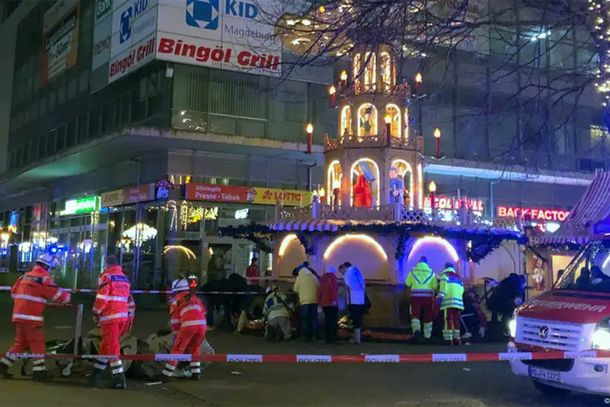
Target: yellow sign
[
  {"x": 287, "y": 197},
  {"x": 113, "y": 198}
]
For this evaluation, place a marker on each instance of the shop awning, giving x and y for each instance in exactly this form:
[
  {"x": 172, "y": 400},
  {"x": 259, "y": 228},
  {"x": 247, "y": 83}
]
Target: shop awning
[
  {"x": 306, "y": 226},
  {"x": 593, "y": 207}
]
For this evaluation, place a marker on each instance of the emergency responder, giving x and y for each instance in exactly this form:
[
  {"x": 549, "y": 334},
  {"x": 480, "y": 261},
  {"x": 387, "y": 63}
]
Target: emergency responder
[
  {"x": 187, "y": 317},
  {"x": 30, "y": 293},
  {"x": 452, "y": 303},
  {"x": 111, "y": 310},
  {"x": 423, "y": 284},
  {"x": 276, "y": 313}
]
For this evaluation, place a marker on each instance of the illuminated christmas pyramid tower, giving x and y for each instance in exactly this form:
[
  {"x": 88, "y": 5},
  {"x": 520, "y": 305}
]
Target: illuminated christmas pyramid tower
[{"x": 376, "y": 159}]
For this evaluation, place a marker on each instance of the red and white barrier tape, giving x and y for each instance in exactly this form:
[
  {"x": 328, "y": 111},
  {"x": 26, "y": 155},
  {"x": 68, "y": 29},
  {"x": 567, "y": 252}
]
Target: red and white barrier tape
[
  {"x": 91, "y": 291},
  {"x": 362, "y": 358}
]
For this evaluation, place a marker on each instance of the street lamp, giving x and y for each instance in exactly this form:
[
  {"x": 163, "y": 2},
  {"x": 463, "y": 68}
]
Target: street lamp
[
  {"x": 437, "y": 143},
  {"x": 309, "y": 131},
  {"x": 418, "y": 79}
]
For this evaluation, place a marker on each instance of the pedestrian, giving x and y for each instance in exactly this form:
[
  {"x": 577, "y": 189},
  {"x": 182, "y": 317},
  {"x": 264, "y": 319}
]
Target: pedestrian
[
  {"x": 423, "y": 284},
  {"x": 356, "y": 297},
  {"x": 111, "y": 311},
  {"x": 451, "y": 295},
  {"x": 253, "y": 272},
  {"x": 327, "y": 298},
  {"x": 276, "y": 313},
  {"x": 187, "y": 317},
  {"x": 30, "y": 293},
  {"x": 306, "y": 287}
]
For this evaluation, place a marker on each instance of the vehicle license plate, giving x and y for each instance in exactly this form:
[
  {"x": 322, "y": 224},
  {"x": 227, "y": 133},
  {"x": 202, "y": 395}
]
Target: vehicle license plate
[{"x": 548, "y": 375}]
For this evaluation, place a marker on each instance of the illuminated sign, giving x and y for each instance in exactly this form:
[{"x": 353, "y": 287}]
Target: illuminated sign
[
  {"x": 125, "y": 196},
  {"x": 242, "y": 213},
  {"x": 287, "y": 197},
  {"x": 451, "y": 202},
  {"x": 242, "y": 194},
  {"x": 79, "y": 206},
  {"x": 540, "y": 214}
]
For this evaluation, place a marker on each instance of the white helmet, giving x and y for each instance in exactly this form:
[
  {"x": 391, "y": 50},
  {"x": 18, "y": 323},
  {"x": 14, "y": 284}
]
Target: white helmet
[
  {"x": 179, "y": 285},
  {"x": 48, "y": 260}
]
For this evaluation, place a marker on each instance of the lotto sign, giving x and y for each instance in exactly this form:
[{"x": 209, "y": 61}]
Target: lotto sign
[{"x": 273, "y": 196}]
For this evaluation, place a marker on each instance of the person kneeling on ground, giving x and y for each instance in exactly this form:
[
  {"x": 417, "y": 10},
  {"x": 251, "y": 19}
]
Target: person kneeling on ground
[
  {"x": 188, "y": 324},
  {"x": 276, "y": 314}
]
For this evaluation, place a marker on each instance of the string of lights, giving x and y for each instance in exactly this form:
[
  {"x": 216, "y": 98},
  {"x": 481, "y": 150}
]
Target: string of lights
[{"x": 600, "y": 10}]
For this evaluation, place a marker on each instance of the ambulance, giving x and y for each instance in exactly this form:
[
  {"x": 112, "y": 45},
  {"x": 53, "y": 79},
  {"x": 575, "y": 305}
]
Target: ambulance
[{"x": 573, "y": 316}]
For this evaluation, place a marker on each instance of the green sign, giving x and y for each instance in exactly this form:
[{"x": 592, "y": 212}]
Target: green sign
[
  {"x": 79, "y": 206},
  {"x": 101, "y": 8}
]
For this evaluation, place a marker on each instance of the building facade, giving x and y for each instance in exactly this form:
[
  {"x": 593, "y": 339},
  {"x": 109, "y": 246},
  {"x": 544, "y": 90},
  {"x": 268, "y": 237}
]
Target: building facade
[{"x": 151, "y": 163}]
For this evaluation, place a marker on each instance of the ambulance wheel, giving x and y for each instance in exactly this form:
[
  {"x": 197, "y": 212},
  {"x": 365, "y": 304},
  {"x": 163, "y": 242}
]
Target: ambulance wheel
[{"x": 550, "y": 390}]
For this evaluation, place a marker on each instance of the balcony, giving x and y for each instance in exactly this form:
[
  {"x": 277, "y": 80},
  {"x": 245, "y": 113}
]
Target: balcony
[
  {"x": 395, "y": 213},
  {"x": 375, "y": 141}
]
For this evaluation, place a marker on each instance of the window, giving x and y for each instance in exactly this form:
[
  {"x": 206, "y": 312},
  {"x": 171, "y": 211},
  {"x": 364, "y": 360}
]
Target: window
[
  {"x": 388, "y": 72},
  {"x": 335, "y": 173},
  {"x": 365, "y": 183},
  {"x": 367, "y": 120},
  {"x": 346, "y": 121},
  {"x": 394, "y": 112},
  {"x": 370, "y": 71},
  {"x": 401, "y": 182}
]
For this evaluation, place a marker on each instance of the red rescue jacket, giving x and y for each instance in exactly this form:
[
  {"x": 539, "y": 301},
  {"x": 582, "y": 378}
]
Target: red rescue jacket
[
  {"x": 113, "y": 301},
  {"x": 31, "y": 292},
  {"x": 187, "y": 310}
]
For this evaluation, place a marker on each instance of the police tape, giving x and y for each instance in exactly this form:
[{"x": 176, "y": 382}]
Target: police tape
[
  {"x": 92, "y": 291},
  {"x": 312, "y": 358}
]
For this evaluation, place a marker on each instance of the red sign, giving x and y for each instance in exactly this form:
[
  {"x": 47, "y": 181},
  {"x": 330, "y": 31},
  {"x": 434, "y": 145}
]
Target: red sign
[
  {"x": 140, "y": 193},
  {"x": 218, "y": 193},
  {"x": 558, "y": 215},
  {"x": 451, "y": 202}
]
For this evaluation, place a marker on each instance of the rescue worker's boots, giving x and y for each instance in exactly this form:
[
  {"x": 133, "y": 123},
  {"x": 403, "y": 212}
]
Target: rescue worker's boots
[
  {"x": 4, "y": 374},
  {"x": 119, "y": 381},
  {"x": 40, "y": 376},
  {"x": 97, "y": 376},
  {"x": 195, "y": 370}
]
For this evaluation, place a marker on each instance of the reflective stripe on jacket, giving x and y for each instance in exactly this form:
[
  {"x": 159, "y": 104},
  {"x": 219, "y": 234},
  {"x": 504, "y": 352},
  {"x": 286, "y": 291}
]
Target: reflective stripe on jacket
[
  {"x": 186, "y": 310},
  {"x": 452, "y": 290},
  {"x": 31, "y": 292},
  {"x": 112, "y": 302},
  {"x": 422, "y": 281},
  {"x": 275, "y": 306}
]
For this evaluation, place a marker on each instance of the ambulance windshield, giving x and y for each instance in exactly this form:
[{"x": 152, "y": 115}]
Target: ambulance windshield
[{"x": 589, "y": 270}]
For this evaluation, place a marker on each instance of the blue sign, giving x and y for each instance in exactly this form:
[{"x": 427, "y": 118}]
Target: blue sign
[
  {"x": 202, "y": 14},
  {"x": 136, "y": 8},
  {"x": 125, "y": 31}
]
